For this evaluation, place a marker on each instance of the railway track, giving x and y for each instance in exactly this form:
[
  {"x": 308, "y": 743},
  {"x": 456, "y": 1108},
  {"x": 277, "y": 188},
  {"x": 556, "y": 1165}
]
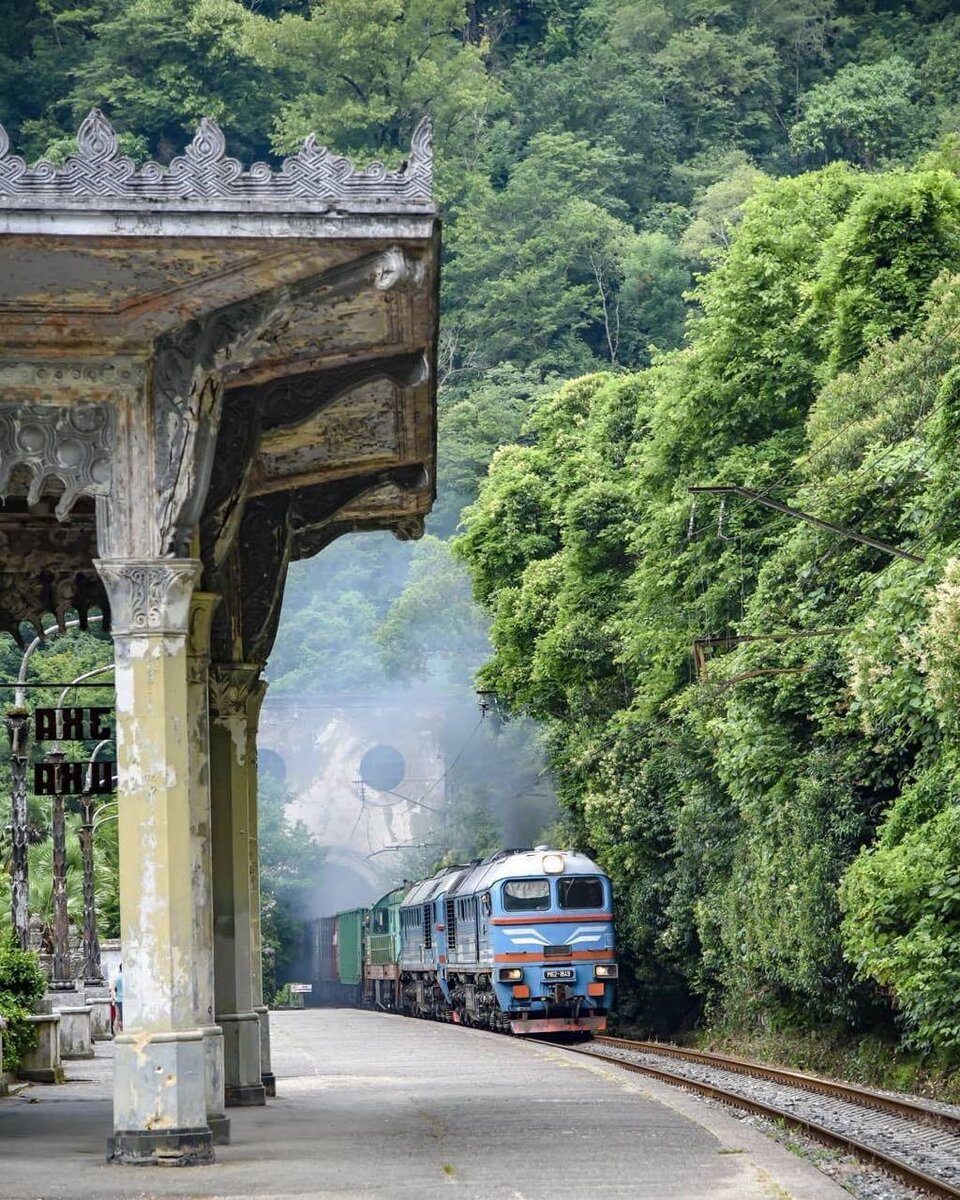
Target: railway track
[{"x": 917, "y": 1144}]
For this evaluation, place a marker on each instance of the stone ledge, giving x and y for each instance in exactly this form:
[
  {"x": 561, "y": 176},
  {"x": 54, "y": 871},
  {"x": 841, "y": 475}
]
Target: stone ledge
[
  {"x": 42, "y": 1064},
  {"x": 42, "y": 1074}
]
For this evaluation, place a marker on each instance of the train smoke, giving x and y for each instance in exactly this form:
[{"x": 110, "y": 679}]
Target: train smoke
[{"x": 378, "y": 646}]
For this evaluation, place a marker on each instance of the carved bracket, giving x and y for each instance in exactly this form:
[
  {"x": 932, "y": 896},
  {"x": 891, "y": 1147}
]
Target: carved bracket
[
  {"x": 188, "y": 391},
  {"x": 69, "y": 445},
  {"x": 276, "y": 529},
  {"x": 202, "y": 607},
  {"x": 280, "y": 404},
  {"x": 409, "y": 529}
]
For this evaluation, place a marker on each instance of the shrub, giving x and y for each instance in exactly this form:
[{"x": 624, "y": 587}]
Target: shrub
[
  {"x": 902, "y": 927},
  {"x": 283, "y": 997},
  {"x": 21, "y": 986}
]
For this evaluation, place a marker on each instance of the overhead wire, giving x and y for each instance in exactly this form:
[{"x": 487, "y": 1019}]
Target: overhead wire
[
  {"x": 908, "y": 368},
  {"x": 867, "y": 462},
  {"x": 450, "y": 766}
]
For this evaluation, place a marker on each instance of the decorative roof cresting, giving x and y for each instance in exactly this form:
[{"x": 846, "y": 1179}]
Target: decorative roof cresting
[{"x": 313, "y": 177}]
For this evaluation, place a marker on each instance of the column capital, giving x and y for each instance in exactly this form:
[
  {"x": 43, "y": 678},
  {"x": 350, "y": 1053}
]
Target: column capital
[
  {"x": 231, "y": 687},
  {"x": 202, "y": 608},
  {"x": 149, "y": 595}
]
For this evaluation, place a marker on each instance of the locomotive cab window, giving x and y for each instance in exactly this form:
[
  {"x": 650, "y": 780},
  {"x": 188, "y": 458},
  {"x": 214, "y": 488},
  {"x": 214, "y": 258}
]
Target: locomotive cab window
[
  {"x": 380, "y": 921},
  {"x": 580, "y": 891},
  {"x": 526, "y": 895}
]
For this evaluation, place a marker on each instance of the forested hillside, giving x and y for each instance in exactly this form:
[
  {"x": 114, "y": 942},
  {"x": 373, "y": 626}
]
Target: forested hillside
[
  {"x": 754, "y": 721},
  {"x": 591, "y": 155},
  {"x": 686, "y": 243}
]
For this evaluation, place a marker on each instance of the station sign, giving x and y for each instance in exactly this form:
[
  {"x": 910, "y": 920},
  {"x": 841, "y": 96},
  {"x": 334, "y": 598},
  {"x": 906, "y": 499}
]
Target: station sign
[
  {"x": 73, "y": 724},
  {"x": 74, "y": 778},
  {"x": 301, "y": 988}
]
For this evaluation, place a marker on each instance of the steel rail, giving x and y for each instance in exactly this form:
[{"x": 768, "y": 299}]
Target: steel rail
[
  {"x": 908, "y": 1109},
  {"x": 821, "y": 1133}
]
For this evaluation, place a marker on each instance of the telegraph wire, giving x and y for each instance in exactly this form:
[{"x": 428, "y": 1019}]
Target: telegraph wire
[
  {"x": 450, "y": 767},
  {"x": 904, "y": 371},
  {"x": 908, "y": 368},
  {"x": 868, "y": 463}
]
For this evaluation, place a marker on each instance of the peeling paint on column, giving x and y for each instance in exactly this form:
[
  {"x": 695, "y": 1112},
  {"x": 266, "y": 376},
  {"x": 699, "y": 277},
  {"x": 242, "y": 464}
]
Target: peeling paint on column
[
  {"x": 202, "y": 609},
  {"x": 230, "y": 688},
  {"x": 160, "y": 1061}
]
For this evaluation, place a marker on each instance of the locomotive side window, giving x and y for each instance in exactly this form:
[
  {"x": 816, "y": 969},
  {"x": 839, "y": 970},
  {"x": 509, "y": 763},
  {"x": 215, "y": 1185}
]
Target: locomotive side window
[
  {"x": 580, "y": 891},
  {"x": 526, "y": 895}
]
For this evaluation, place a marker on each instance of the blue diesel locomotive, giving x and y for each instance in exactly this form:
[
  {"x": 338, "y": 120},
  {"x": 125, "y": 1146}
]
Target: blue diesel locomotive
[{"x": 522, "y": 941}]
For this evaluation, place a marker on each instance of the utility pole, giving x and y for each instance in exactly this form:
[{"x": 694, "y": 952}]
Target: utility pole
[
  {"x": 17, "y": 722},
  {"x": 92, "y": 967},
  {"x": 92, "y": 971},
  {"x": 61, "y": 926}
]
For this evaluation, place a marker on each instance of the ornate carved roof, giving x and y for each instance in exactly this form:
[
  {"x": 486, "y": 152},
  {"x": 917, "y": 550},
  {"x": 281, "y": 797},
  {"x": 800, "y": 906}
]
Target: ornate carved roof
[
  {"x": 314, "y": 177},
  {"x": 236, "y": 360}
]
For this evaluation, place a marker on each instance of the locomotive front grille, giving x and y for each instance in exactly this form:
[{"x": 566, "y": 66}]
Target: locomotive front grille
[{"x": 556, "y": 952}]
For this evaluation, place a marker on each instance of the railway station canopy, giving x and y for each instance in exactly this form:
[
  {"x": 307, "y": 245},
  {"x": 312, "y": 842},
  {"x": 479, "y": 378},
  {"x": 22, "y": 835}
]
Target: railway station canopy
[{"x": 207, "y": 371}]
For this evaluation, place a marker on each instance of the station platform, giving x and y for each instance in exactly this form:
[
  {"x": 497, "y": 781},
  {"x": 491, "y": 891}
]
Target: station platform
[{"x": 371, "y": 1105}]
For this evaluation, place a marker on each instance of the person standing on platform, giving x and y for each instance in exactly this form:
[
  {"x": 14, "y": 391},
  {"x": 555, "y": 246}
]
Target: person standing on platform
[{"x": 117, "y": 997}]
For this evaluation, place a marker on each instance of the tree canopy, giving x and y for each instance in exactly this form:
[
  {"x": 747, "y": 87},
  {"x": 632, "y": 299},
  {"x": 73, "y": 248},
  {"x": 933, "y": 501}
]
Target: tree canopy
[
  {"x": 686, "y": 243},
  {"x": 752, "y": 719}
]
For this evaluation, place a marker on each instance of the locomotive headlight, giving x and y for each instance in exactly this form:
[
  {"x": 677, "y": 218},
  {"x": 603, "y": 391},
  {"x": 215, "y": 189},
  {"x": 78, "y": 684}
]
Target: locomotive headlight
[
  {"x": 552, "y": 864},
  {"x": 510, "y": 974},
  {"x": 605, "y": 970}
]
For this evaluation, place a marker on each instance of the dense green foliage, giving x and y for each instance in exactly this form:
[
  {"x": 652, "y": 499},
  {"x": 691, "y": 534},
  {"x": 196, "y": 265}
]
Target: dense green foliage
[
  {"x": 291, "y": 862},
  {"x": 590, "y": 153},
  {"x": 781, "y": 823},
  {"x": 21, "y": 986},
  {"x": 622, "y": 193}
]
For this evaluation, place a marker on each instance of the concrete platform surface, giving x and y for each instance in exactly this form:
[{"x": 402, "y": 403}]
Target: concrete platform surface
[{"x": 370, "y": 1105}]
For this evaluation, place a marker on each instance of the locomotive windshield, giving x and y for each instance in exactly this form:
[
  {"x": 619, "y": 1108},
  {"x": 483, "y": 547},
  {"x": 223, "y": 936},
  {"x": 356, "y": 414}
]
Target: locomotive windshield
[
  {"x": 526, "y": 895},
  {"x": 580, "y": 891}
]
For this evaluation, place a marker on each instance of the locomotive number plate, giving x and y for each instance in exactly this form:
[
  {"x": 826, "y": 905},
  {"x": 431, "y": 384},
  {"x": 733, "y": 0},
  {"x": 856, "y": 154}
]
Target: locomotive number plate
[{"x": 559, "y": 974}]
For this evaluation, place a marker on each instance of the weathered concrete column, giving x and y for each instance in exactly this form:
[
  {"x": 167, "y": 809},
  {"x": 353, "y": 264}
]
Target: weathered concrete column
[
  {"x": 233, "y": 901},
  {"x": 159, "y": 1105},
  {"x": 198, "y": 709},
  {"x": 254, "y": 704}
]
